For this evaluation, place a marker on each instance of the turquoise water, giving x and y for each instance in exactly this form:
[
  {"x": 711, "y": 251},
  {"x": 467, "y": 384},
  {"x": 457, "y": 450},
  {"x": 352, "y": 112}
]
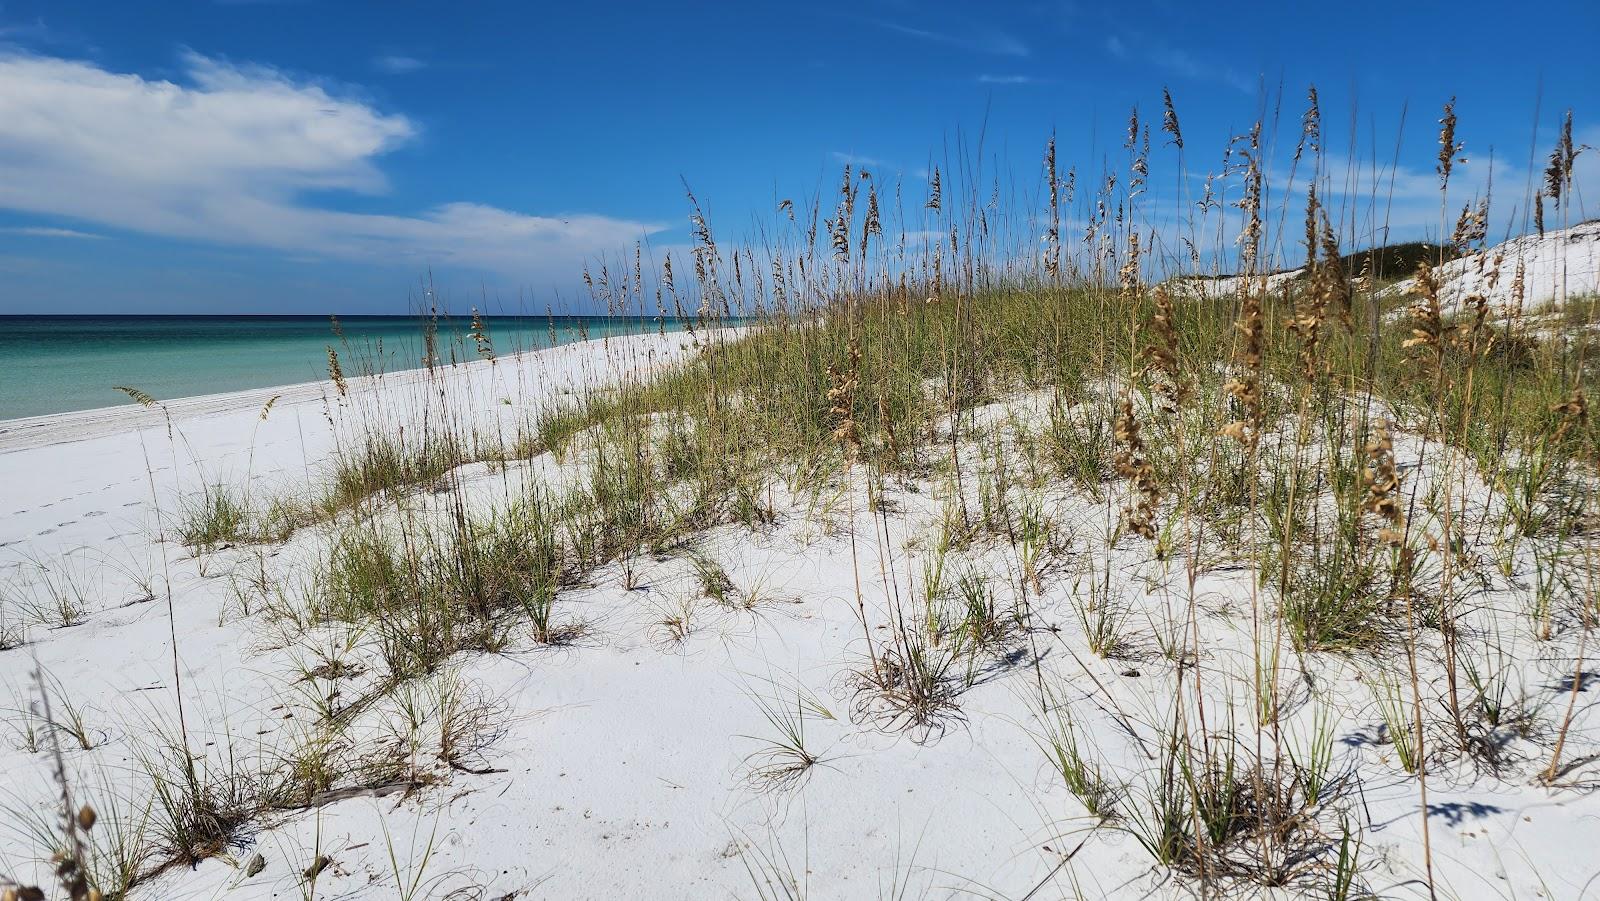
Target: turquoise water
[{"x": 53, "y": 364}]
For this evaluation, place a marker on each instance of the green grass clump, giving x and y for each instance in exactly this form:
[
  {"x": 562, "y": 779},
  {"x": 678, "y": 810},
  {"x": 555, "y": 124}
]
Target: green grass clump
[{"x": 383, "y": 462}]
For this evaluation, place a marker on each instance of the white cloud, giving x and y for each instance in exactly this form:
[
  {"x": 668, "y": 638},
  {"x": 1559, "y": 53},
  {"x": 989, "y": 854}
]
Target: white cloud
[
  {"x": 229, "y": 156},
  {"x": 1006, "y": 79},
  {"x": 39, "y": 231},
  {"x": 1177, "y": 61},
  {"x": 856, "y": 159},
  {"x": 995, "y": 42},
  {"x": 397, "y": 64}
]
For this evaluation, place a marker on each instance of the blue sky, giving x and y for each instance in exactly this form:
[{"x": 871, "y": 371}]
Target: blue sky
[{"x": 312, "y": 156}]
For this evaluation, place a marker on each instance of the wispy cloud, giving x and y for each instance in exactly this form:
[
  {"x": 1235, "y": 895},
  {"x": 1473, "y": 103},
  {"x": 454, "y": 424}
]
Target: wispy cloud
[
  {"x": 38, "y": 33},
  {"x": 994, "y": 42},
  {"x": 1176, "y": 61},
  {"x": 232, "y": 154},
  {"x": 1007, "y": 79},
  {"x": 40, "y": 231},
  {"x": 397, "y": 64},
  {"x": 27, "y": 31},
  {"x": 856, "y": 159}
]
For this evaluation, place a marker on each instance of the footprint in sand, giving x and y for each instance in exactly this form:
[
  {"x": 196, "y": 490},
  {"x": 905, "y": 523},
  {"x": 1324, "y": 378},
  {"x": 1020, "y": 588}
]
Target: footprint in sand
[
  {"x": 47, "y": 532},
  {"x": 94, "y": 513}
]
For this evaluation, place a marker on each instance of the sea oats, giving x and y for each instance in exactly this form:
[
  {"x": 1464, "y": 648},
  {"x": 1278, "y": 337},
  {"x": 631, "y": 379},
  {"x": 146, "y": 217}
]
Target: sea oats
[
  {"x": 1572, "y": 412},
  {"x": 1245, "y": 386},
  {"x": 480, "y": 336},
  {"x": 1427, "y": 319},
  {"x": 1052, "y": 250},
  {"x": 1250, "y": 238},
  {"x": 1310, "y": 126},
  {"x": 1169, "y": 119},
  {"x": 841, "y": 401},
  {"x": 1161, "y": 353},
  {"x": 1558, "y": 174},
  {"x": 1382, "y": 483},
  {"x": 141, "y": 398},
  {"x": 1140, "y": 512},
  {"x": 336, "y": 372},
  {"x": 1449, "y": 147},
  {"x": 1128, "y": 272}
]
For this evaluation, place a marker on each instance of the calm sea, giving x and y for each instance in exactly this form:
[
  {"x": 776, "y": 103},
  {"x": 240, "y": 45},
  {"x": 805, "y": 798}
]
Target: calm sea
[{"x": 53, "y": 364}]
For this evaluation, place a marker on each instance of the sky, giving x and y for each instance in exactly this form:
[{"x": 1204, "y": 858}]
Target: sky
[{"x": 308, "y": 156}]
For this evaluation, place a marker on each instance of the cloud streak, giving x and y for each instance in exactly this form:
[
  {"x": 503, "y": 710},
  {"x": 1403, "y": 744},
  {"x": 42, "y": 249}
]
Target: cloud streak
[
  {"x": 229, "y": 156},
  {"x": 856, "y": 159},
  {"x": 39, "y": 231},
  {"x": 398, "y": 64},
  {"x": 1007, "y": 79},
  {"x": 1176, "y": 61},
  {"x": 994, "y": 42}
]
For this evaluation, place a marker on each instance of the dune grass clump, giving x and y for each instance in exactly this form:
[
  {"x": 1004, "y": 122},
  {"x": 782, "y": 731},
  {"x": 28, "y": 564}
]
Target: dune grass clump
[
  {"x": 426, "y": 602},
  {"x": 215, "y": 516},
  {"x": 381, "y": 462}
]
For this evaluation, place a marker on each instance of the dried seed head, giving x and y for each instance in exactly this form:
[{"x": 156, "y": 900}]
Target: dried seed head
[
  {"x": 1310, "y": 126},
  {"x": 1572, "y": 412},
  {"x": 1427, "y": 319},
  {"x": 1449, "y": 147},
  {"x": 1518, "y": 290},
  {"x": 1383, "y": 487},
  {"x": 1052, "y": 250},
  {"x": 841, "y": 402},
  {"x": 1128, "y": 273},
  {"x": 1311, "y": 226},
  {"x": 1169, "y": 119},
  {"x": 139, "y": 397},
  {"x": 1558, "y": 174},
  {"x": 871, "y": 225},
  {"x": 1161, "y": 353},
  {"x": 336, "y": 372},
  {"x": 480, "y": 336},
  {"x": 1141, "y": 167},
  {"x": 1472, "y": 226},
  {"x": 1140, "y": 512},
  {"x": 1250, "y": 238},
  {"x": 1245, "y": 387}
]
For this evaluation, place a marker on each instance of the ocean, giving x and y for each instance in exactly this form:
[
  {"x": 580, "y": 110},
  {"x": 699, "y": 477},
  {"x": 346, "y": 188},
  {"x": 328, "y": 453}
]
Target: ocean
[{"x": 56, "y": 364}]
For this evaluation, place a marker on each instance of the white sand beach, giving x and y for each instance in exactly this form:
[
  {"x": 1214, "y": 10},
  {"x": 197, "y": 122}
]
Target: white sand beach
[{"x": 643, "y": 758}]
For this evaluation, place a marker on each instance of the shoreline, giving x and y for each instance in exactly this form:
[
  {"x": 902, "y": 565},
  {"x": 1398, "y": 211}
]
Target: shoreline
[
  {"x": 71, "y": 363},
  {"x": 26, "y": 432}
]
